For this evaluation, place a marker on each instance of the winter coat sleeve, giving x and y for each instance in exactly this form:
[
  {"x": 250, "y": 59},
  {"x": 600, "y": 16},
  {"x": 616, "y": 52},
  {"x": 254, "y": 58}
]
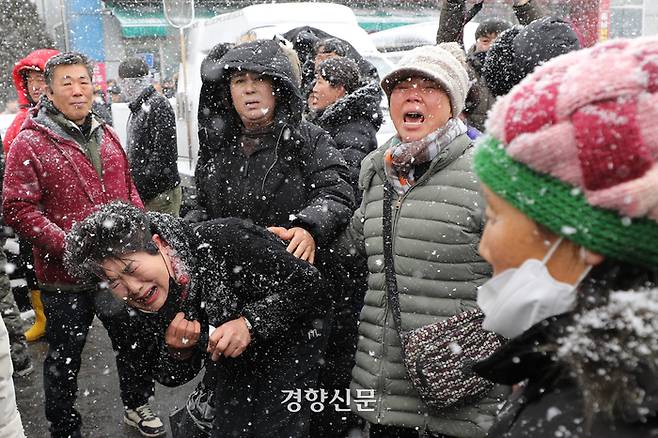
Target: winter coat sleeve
[
  {"x": 355, "y": 142},
  {"x": 528, "y": 13},
  {"x": 349, "y": 248},
  {"x": 286, "y": 287},
  {"x": 14, "y": 129},
  {"x": 162, "y": 146},
  {"x": 330, "y": 196},
  {"x": 22, "y": 196},
  {"x": 172, "y": 372},
  {"x": 451, "y": 22}
]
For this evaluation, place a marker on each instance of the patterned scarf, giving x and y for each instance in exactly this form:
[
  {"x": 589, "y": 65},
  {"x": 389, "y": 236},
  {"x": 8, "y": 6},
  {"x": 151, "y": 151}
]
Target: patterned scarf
[{"x": 401, "y": 158}]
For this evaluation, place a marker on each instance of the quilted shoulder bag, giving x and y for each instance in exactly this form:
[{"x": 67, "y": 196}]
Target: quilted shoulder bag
[{"x": 438, "y": 357}]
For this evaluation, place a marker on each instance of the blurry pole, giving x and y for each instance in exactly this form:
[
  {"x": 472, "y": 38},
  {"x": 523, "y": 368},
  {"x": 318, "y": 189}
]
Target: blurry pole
[
  {"x": 180, "y": 14},
  {"x": 65, "y": 23},
  {"x": 183, "y": 56},
  {"x": 604, "y": 20}
]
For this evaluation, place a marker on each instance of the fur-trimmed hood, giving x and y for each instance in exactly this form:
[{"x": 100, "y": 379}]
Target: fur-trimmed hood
[
  {"x": 218, "y": 120},
  {"x": 363, "y": 106}
]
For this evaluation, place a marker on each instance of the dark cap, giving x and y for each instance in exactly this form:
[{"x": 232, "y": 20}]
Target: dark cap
[
  {"x": 340, "y": 71},
  {"x": 493, "y": 25},
  {"x": 133, "y": 68}
]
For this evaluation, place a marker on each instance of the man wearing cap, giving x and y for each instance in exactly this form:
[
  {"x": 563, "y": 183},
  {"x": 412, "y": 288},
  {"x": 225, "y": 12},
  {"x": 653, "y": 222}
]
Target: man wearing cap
[
  {"x": 151, "y": 139},
  {"x": 435, "y": 227}
]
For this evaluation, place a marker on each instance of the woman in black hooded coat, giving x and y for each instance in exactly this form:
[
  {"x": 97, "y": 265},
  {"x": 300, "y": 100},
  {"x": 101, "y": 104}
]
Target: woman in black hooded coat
[{"x": 286, "y": 174}]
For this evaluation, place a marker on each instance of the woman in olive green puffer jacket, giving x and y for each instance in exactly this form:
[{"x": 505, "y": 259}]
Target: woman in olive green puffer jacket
[{"x": 437, "y": 221}]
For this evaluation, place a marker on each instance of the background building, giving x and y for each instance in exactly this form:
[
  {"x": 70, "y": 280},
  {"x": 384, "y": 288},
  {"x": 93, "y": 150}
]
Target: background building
[{"x": 111, "y": 30}]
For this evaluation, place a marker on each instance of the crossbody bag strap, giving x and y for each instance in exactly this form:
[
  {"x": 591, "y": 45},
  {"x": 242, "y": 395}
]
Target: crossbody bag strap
[{"x": 389, "y": 266}]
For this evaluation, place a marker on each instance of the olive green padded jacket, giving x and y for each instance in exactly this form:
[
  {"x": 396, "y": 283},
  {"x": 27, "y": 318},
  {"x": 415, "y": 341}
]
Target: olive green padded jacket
[{"x": 437, "y": 226}]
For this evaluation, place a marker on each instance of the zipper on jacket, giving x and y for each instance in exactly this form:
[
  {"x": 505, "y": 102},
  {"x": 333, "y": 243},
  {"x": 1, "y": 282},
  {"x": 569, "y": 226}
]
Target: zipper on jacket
[{"x": 244, "y": 171}]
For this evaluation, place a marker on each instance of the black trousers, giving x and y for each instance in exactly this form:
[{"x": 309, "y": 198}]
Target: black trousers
[
  {"x": 377, "y": 431},
  {"x": 249, "y": 399},
  {"x": 69, "y": 316}
]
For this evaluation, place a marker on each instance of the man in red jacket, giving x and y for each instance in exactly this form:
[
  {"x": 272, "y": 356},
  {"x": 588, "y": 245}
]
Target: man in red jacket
[{"x": 64, "y": 164}]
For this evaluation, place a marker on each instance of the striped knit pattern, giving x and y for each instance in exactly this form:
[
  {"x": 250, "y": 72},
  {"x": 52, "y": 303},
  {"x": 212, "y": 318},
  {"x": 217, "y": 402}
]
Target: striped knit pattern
[
  {"x": 589, "y": 119},
  {"x": 564, "y": 209}
]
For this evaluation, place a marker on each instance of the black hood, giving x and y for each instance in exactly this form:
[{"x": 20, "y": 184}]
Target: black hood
[{"x": 217, "y": 117}]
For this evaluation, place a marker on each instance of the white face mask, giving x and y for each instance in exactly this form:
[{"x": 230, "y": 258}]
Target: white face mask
[{"x": 518, "y": 298}]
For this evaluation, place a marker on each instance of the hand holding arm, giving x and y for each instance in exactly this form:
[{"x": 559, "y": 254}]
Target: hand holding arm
[
  {"x": 230, "y": 339},
  {"x": 302, "y": 244}
]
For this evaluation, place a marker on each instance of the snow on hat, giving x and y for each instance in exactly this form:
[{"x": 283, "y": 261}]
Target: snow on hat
[
  {"x": 444, "y": 63},
  {"x": 133, "y": 68},
  {"x": 578, "y": 155},
  {"x": 519, "y": 50}
]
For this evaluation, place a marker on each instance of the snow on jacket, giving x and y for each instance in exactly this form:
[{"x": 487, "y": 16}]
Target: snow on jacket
[
  {"x": 237, "y": 268},
  {"x": 353, "y": 122},
  {"x": 50, "y": 184},
  {"x": 609, "y": 352},
  {"x": 295, "y": 177},
  {"x": 151, "y": 144},
  {"x": 34, "y": 61},
  {"x": 437, "y": 227},
  {"x": 10, "y": 419}
]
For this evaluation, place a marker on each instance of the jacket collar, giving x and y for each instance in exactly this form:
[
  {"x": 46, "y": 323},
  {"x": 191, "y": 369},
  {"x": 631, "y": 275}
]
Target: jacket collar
[
  {"x": 146, "y": 94},
  {"x": 524, "y": 357},
  {"x": 449, "y": 154},
  {"x": 362, "y": 104}
]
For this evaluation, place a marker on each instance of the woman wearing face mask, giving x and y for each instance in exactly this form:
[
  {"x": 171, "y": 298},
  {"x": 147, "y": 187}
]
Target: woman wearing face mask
[{"x": 569, "y": 172}]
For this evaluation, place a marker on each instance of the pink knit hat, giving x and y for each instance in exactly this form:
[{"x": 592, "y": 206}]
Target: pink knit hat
[{"x": 589, "y": 120}]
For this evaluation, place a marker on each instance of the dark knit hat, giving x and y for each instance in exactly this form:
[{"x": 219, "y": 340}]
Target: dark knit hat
[
  {"x": 332, "y": 45},
  {"x": 133, "y": 68},
  {"x": 500, "y": 70},
  {"x": 574, "y": 147},
  {"x": 542, "y": 40},
  {"x": 493, "y": 25},
  {"x": 340, "y": 71},
  {"x": 519, "y": 50}
]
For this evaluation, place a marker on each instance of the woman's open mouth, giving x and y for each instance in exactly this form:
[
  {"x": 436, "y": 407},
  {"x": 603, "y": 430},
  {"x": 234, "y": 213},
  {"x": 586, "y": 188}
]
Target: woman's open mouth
[
  {"x": 413, "y": 118},
  {"x": 149, "y": 297}
]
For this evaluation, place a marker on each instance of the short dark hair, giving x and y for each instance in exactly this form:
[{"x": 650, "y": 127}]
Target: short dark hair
[
  {"x": 133, "y": 68},
  {"x": 340, "y": 71},
  {"x": 493, "y": 25},
  {"x": 66, "y": 58},
  {"x": 111, "y": 232},
  {"x": 332, "y": 45}
]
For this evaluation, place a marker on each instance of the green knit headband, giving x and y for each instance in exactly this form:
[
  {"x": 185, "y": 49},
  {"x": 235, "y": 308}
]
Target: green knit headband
[{"x": 564, "y": 210}]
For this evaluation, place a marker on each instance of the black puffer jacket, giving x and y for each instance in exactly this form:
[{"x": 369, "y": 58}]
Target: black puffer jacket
[
  {"x": 152, "y": 149},
  {"x": 353, "y": 122},
  {"x": 294, "y": 177}
]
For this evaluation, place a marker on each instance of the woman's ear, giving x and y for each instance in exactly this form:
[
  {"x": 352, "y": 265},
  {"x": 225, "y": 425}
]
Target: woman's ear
[{"x": 159, "y": 242}]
